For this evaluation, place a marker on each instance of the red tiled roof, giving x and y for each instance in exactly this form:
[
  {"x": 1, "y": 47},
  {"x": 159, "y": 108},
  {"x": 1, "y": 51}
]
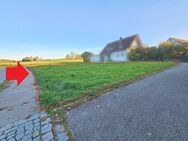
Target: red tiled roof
[{"x": 181, "y": 41}]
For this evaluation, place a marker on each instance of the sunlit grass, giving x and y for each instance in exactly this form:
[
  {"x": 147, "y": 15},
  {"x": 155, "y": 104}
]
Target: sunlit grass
[{"x": 66, "y": 81}]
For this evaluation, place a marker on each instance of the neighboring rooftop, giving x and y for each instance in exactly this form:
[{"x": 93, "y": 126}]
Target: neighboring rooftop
[
  {"x": 121, "y": 44},
  {"x": 181, "y": 41}
]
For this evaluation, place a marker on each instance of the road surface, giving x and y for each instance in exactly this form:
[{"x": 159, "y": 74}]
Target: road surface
[
  {"x": 20, "y": 118},
  {"x": 17, "y": 102},
  {"x": 154, "y": 108},
  {"x": 2, "y": 74}
]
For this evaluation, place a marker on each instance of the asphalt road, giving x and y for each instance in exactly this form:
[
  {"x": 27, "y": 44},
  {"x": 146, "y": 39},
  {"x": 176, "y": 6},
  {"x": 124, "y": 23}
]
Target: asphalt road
[
  {"x": 17, "y": 102},
  {"x": 155, "y": 108}
]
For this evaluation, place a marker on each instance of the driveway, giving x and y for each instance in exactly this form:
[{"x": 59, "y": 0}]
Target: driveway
[
  {"x": 154, "y": 108},
  {"x": 17, "y": 102}
]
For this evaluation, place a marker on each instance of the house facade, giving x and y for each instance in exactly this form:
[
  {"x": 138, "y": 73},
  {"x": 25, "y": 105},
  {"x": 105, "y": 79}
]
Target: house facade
[{"x": 117, "y": 51}]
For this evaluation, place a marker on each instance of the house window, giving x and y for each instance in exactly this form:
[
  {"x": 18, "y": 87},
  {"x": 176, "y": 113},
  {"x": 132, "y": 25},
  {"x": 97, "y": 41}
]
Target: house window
[{"x": 117, "y": 54}]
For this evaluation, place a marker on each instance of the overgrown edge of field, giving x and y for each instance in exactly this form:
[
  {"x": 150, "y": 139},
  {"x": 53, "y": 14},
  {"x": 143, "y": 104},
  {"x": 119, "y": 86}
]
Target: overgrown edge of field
[{"x": 58, "y": 111}]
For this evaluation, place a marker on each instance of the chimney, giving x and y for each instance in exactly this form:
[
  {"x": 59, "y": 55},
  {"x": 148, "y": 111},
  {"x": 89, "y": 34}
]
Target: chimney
[{"x": 120, "y": 38}]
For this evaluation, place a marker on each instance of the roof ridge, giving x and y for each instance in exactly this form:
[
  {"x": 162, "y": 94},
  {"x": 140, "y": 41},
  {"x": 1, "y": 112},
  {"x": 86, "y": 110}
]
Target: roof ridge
[
  {"x": 178, "y": 39},
  {"x": 123, "y": 38},
  {"x": 115, "y": 45}
]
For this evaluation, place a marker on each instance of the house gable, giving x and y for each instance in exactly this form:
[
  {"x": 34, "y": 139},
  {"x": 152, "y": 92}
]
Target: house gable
[{"x": 135, "y": 44}]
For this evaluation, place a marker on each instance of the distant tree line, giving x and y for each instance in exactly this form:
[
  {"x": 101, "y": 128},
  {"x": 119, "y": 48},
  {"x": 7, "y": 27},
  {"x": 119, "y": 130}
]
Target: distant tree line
[
  {"x": 73, "y": 55},
  {"x": 85, "y": 56},
  {"x": 31, "y": 58},
  {"x": 6, "y": 61},
  {"x": 166, "y": 51}
]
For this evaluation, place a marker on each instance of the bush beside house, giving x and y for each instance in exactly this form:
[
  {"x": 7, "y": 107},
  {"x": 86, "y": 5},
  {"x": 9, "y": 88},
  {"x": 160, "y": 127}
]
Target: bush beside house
[
  {"x": 165, "y": 52},
  {"x": 86, "y": 56}
]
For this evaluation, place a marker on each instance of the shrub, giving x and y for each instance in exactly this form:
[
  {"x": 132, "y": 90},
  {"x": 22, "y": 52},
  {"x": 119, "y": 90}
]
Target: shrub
[
  {"x": 27, "y": 59},
  {"x": 36, "y": 58},
  {"x": 166, "y": 44},
  {"x": 161, "y": 53},
  {"x": 133, "y": 55},
  {"x": 86, "y": 56}
]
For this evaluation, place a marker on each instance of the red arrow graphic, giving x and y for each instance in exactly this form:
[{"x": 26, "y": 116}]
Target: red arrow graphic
[{"x": 18, "y": 73}]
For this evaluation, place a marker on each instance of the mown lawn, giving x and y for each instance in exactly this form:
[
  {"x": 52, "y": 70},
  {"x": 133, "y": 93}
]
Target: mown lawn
[{"x": 66, "y": 81}]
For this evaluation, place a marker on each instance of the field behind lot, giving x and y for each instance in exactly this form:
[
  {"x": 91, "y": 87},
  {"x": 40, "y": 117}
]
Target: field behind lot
[
  {"x": 77, "y": 80},
  {"x": 47, "y": 62}
]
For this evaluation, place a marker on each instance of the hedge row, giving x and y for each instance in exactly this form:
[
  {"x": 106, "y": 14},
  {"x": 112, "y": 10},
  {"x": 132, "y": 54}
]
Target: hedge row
[{"x": 162, "y": 53}]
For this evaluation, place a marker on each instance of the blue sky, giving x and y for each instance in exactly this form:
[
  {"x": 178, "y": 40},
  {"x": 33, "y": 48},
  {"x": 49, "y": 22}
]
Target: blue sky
[{"x": 52, "y": 28}]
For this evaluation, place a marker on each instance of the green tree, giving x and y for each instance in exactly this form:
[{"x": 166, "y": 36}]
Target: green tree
[
  {"x": 86, "y": 56},
  {"x": 27, "y": 59},
  {"x": 36, "y": 58},
  {"x": 166, "y": 44}
]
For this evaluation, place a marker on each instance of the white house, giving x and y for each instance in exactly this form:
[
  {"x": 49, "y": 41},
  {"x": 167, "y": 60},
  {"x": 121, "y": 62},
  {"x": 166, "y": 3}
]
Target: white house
[
  {"x": 117, "y": 51},
  {"x": 95, "y": 58}
]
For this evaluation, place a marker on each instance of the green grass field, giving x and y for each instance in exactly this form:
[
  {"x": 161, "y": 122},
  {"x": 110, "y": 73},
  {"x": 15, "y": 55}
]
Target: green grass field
[{"x": 64, "y": 82}]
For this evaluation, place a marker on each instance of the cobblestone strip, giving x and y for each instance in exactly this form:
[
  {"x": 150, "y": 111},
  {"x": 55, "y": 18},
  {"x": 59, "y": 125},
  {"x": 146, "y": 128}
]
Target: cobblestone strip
[{"x": 36, "y": 128}]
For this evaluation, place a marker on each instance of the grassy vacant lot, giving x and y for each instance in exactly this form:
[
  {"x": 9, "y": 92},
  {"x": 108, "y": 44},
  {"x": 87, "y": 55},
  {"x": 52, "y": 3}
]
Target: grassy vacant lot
[{"x": 69, "y": 81}]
